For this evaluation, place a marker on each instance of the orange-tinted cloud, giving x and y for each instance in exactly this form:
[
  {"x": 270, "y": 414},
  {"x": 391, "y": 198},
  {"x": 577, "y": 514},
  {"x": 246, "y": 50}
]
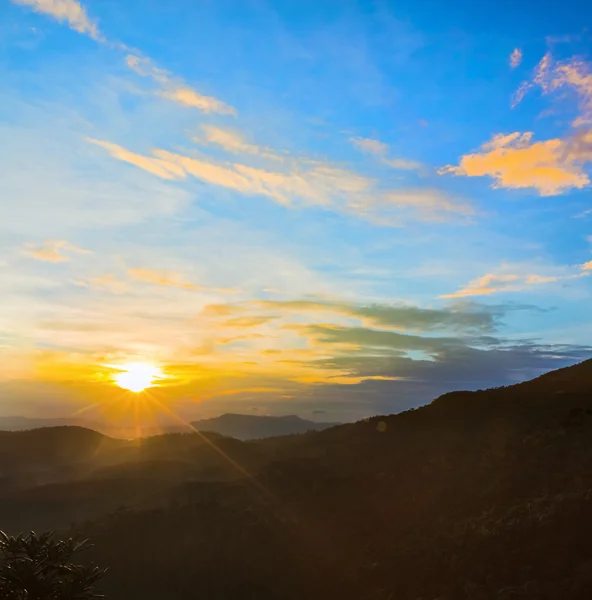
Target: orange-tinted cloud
[
  {"x": 53, "y": 250},
  {"x": 70, "y": 11},
  {"x": 309, "y": 183},
  {"x": 187, "y": 96},
  {"x": 108, "y": 282},
  {"x": 514, "y": 161},
  {"x": 161, "y": 278},
  {"x": 369, "y": 146},
  {"x": 572, "y": 74},
  {"x": 175, "y": 90},
  {"x": 171, "y": 279},
  {"x": 381, "y": 149},
  {"x": 515, "y": 58},
  {"x": 234, "y": 142},
  {"x": 512, "y": 282},
  {"x": 161, "y": 168},
  {"x": 249, "y": 321}
]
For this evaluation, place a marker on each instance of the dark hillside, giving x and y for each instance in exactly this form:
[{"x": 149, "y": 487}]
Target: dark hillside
[{"x": 478, "y": 495}]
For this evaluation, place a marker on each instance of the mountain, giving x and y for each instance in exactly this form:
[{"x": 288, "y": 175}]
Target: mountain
[
  {"x": 23, "y": 423},
  {"x": 476, "y": 496},
  {"x": 250, "y": 427}
]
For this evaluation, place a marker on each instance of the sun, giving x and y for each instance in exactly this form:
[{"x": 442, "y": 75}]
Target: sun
[{"x": 136, "y": 377}]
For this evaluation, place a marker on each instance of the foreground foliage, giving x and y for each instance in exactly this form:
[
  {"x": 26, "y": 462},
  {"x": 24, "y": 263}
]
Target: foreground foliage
[{"x": 40, "y": 568}]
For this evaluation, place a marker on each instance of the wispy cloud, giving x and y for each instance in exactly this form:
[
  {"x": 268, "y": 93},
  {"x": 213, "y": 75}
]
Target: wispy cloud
[
  {"x": 106, "y": 282},
  {"x": 309, "y": 183},
  {"x": 53, "y": 250},
  {"x": 402, "y": 164},
  {"x": 160, "y": 168},
  {"x": 69, "y": 11},
  {"x": 465, "y": 317},
  {"x": 370, "y": 146},
  {"x": 573, "y": 74},
  {"x": 161, "y": 278},
  {"x": 175, "y": 90},
  {"x": 512, "y": 282},
  {"x": 171, "y": 88},
  {"x": 515, "y": 58},
  {"x": 234, "y": 142},
  {"x": 515, "y": 161},
  {"x": 381, "y": 150},
  {"x": 171, "y": 279},
  {"x": 249, "y": 321},
  {"x": 583, "y": 214}
]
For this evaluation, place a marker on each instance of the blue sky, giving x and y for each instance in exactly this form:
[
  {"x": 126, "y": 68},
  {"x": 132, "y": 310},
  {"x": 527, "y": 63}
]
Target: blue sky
[{"x": 334, "y": 209}]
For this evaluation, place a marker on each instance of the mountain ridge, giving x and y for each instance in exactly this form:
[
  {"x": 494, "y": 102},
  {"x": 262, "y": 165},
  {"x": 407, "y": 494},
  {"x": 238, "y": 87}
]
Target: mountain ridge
[{"x": 245, "y": 427}]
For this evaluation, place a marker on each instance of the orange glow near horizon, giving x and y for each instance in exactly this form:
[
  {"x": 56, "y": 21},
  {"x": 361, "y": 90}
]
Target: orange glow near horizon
[{"x": 136, "y": 377}]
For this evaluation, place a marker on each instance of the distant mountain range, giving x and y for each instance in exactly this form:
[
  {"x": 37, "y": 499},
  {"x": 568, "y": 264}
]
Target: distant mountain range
[
  {"x": 24, "y": 423},
  {"x": 251, "y": 427},
  {"x": 242, "y": 427},
  {"x": 481, "y": 495}
]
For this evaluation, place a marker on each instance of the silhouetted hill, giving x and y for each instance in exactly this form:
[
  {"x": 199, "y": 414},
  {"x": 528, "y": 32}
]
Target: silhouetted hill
[
  {"x": 51, "y": 447},
  {"x": 250, "y": 427},
  {"x": 477, "y": 496},
  {"x": 17, "y": 423}
]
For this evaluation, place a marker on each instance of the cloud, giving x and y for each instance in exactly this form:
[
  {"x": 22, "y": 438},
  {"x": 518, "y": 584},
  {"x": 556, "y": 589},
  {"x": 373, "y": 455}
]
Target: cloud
[
  {"x": 170, "y": 279},
  {"x": 515, "y": 58},
  {"x": 461, "y": 317},
  {"x": 514, "y": 161},
  {"x": 161, "y": 278},
  {"x": 310, "y": 183},
  {"x": 381, "y": 149},
  {"x": 572, "y": 74},
  {"x": 108, "y": 282},
  {"x": 52, "y": 250},
  {"x": 402, "y": 164},
  {"x": 369, "y": 146},
  {"x": 70, "y": 11},
  {"x": 510, "y": 282},
  {"x": 234, "y": 142},
  {"x": 587, "y": 267},
  {"x": 160, "y": 168},
  {"x": 175, "y": 90},
  {"x": 251, "y": 321},
  {"x": 187, "y": 96},
  {"x": 353, "y": 338}
]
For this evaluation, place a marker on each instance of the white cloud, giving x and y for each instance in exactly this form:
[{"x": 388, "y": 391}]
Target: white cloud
[
  {"x": 402, "y": 164},
  {"x": 369, "y": 146},
  {"x": 381, "y": 149}
]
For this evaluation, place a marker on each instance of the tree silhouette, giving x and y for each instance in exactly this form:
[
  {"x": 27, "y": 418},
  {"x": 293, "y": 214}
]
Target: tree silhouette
[{"x": 41, "y": 568}]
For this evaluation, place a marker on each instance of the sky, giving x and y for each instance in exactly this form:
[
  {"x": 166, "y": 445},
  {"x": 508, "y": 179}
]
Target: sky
[{"x": 334, "y": 209}]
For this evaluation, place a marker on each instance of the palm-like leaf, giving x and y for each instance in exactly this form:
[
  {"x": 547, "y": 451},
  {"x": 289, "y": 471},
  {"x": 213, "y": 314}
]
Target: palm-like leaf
[{"x": 41, "y": 567}]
